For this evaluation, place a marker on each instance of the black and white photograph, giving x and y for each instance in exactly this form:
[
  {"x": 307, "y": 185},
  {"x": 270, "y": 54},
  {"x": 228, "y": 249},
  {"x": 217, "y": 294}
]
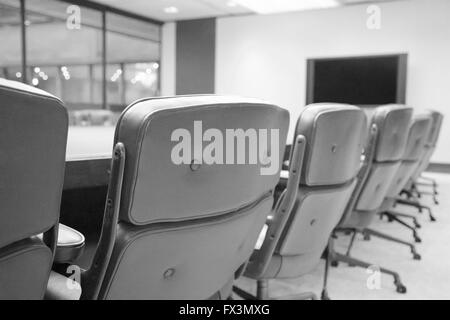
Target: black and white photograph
[{"x": 224, "y": 154}]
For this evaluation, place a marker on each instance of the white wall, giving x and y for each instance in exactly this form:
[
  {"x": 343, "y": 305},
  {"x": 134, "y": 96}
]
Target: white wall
[
  {"x": 168, "y": 59},
  {"x": 265, "y": 56}
]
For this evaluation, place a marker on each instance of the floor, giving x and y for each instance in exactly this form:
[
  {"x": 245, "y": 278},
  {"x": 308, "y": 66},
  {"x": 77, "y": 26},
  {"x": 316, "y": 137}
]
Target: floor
[{"x": 428, "y": 278}]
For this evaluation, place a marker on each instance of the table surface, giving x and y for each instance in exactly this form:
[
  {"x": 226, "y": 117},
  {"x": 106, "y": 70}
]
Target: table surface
[
  {"x": 90, "y": 143},
  {"x": 88, "y": 156}
]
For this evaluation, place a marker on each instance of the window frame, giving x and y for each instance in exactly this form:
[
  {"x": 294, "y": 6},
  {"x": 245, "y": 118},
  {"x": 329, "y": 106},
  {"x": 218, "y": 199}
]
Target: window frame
[{"x": 104, "y": 10}]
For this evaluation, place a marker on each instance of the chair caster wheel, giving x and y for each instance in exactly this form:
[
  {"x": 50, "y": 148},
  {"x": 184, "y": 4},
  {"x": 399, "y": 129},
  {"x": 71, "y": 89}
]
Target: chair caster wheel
[
  {"x": 432, "y": 219},
  {"x": 417, "y": 226},
  {"x": 324, "y": 295},
  {"x": 390, "y": 219},
  {"x": 334, "y": 263},
  {"x": 417, "y": 240},
  {"x": 416, "y": 256},
  {"x": 401, "y": 288},
  {"x": 366, "y": 237},
  {"x": 436, "y": 202}
]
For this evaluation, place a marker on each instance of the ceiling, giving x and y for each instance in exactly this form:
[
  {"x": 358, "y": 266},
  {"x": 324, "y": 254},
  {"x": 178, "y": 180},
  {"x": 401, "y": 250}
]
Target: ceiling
[{"x": 171, "y": 10}]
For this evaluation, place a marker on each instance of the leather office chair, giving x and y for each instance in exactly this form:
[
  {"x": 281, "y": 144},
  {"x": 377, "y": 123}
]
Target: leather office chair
[
  {"x": 411, "y": 190},
  {"x": 387, "y": 142},
  {"x": 33, "y": 142},
  {"x": 181, "y": 231},
  {"x": 324, "y": 162},
  {"x": 415, "y": 147}
]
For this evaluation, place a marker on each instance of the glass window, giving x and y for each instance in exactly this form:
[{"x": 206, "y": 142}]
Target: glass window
[
  {"x": 64, "y": 46},
  {"x": 132, "y": 54},
  {"x": 115, "y": 87},
  {"x": 141, "y": 80},
  {"x": 10, "y": 35},
  {"x": 64, "y": 55}
]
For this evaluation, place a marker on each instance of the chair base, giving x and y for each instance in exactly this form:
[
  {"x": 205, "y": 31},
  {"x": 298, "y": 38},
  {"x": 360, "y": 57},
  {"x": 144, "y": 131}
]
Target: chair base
[
  {"x": 381, "y": 235},
  {"x": 418, "y": 205},
  {"x": 420, "y": 193},
  {"x": 400, "y": 288},
  {"x": 333, "y": 257},
  {"x": 394, "y": 216},
  {"x": 416, "y": 223}
]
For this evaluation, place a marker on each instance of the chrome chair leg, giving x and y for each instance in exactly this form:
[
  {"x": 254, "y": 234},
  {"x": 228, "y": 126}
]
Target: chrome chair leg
[
  {"x": 380, "y": 235},
  {"x": 262, "y": 289},
  {"x": 346, "y": 259},
  {"x": 403, "y": 215},
  {"x": 417, "y": 205},
  {"x": 324, "y": 294},
  {"x": 432, "y": 194},
  {"x": 395, "y": 218}
]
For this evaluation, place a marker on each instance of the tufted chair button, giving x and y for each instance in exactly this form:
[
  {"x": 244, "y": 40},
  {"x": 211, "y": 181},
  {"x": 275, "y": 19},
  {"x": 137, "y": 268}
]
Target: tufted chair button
[
  {"x": 195, "y": 165},
  {"x": 417, "y": 142},
  {"x": 169, "y": 273},
  {"x": 333, "y": 148}
]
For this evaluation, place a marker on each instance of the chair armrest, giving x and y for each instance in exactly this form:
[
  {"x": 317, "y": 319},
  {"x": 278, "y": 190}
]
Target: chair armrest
[
  {"x": 284, "y": 175},
  {"x": 362, "y": 176},
  {"x": 93, "y": 277},
  {"x": 285, "y": 165},
  {"x": 281, "y": 211},
  {"x": 70, "y": 245}
]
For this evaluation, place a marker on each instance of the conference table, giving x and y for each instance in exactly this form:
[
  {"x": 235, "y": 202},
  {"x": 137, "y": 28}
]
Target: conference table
[
  {"x": 88, "y": 161},
  {"x": 88, "y": 156}
]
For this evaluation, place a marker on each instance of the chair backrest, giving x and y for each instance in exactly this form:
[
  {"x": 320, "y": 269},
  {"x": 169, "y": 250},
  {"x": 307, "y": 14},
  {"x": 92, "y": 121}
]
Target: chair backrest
[
  {"x": 334, "y": 141},
  {"x": 430, "y": 145},
  {"x": 393, "y": 123},
  {"x": 186, "y": 228},
  {"x": 436, "y": 125},
  {"x": 33, "y": 140},
  {"x": 415, "y": 146}
]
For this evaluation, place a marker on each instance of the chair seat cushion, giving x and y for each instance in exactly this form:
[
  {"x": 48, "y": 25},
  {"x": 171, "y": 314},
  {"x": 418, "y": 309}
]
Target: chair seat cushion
[{"x": 24, "y": 269}]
